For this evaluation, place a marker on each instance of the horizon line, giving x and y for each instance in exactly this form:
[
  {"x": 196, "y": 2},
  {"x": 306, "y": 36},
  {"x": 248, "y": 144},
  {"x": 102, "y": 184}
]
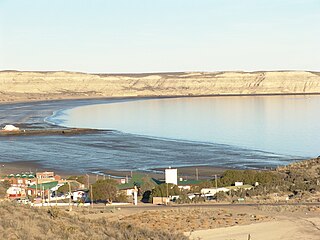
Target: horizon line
[{"x": 154, "y": 72}]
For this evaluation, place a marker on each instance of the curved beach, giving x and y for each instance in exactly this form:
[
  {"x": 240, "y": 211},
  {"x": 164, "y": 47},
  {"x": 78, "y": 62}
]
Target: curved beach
[{"x": 29, "y": 97}]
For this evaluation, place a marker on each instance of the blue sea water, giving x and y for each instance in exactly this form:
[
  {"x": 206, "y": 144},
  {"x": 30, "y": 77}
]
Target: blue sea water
[
  {"x": 237, "y": 132},
  {"x": 284, "y": 125}
]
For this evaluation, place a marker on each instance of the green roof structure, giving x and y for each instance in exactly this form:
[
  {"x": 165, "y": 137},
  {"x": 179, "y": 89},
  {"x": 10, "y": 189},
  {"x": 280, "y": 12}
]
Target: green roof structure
[
  {"x": 137, "y": 180},
  {"x": 190, "y": 182},
  {"x": 24, "y": 175},
  {"x": 45, "y": 186}
]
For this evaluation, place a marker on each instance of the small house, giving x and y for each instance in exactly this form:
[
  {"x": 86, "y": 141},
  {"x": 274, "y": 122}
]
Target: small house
[
  {"x": 10, "y": 128},
  {"x": 160, "y": 200},
  {"x": 16, "y": 192}
]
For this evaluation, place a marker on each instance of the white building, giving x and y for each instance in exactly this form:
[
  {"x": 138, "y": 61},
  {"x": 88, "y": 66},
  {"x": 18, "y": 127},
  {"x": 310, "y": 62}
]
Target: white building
[
  {"x": 171, "y": 175},
  {"x": 16, "y": 192},
  {"x": 10, "y": 128},
  {"x": 237, "y": 184},
  {"x": 213, "y": 191}
]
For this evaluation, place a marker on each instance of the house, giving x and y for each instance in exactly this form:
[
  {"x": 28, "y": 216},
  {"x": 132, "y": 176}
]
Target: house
[
  {"x": 187, "y": 184},
  {"x": 10, "y": 128},
  {"x": 121, "y": 180},
  {"x": 16, "y": 192},
  {"x": 244, "y": 187},
  {"x": 43, "y": 189},
  {"x": 47, "y": 177},
  {"x": 20, "y": 180},
  {"x": 213, "y": 191},
  {"x": 237, "y": 184},
  {"x": 126, "y": 190},
  {"x": 80, "y": 195},
  {"x": 136, "y": 180},
  {"x": 160, "y": 200}
]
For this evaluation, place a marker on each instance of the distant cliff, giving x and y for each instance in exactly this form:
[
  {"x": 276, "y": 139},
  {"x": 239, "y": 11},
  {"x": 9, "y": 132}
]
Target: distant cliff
[{"x": 23, "y": 86}]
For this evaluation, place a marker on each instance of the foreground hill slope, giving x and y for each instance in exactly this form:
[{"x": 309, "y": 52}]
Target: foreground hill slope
[
  {"x": 24, "y": 222},
  {"x": 21, "y": 86}
]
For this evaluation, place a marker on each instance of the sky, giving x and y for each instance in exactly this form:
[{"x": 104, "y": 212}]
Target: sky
[{"x": 131, "y": 36}]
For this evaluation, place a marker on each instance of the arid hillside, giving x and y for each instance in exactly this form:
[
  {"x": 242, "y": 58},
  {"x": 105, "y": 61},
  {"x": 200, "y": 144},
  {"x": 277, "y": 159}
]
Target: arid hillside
[
  {"x": 24, "y": 86},
  {"x": 24, "y": 222}
]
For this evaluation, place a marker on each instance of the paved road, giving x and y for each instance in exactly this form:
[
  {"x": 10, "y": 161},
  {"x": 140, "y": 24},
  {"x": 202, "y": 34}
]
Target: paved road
[{"x": 215, "y": 205}]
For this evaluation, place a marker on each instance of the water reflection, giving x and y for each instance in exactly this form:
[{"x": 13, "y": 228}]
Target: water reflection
[{"x": 278, "y": 124}]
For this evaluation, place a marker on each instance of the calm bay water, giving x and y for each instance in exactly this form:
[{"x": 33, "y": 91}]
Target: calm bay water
[{"x": 284, "y": 125}]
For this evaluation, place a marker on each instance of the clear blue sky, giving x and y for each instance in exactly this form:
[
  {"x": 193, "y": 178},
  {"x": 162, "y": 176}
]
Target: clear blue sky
[{"x": 162, "y": 35}]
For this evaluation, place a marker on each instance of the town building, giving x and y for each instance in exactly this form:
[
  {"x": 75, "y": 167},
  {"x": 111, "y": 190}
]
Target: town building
[
  {"x": 10, "y": 128},
  {"x": 171, "y": 175},
  {"x": 20, "y": 180},
  {"x": 47, "y": 177},
  {"x": 160, "y": 200}
]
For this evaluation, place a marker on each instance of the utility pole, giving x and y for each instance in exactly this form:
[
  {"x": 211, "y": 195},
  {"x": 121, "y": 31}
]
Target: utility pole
[
  {"x": 197, "y": 174},
  {"x": 216, "y": 180},
  {"x": 56, "y": 197},
  {"x": 43, "y": 195},
  {"x": 91, "y": 196},
  {"x": 70, "y": 206},
  {"x": 49, "y": 196},
  {"x": 167, "y": 194},
  {"x": 135, "y": 196},
  {"x": 37, "y": 188}
]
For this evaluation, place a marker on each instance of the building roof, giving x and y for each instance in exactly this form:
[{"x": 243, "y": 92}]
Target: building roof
[
  {"x": 23, "y": 175},
  {"x": 45, "y": 186},
  {"x": 10, "y": 127},
  {"x": 189, "y": 182},
  {"x": 238, "y": 187},
  {"x": 137, "y": 180}
]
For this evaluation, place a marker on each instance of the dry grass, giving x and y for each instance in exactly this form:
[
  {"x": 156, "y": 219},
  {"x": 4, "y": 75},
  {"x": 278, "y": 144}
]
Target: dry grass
[
  {"x": 289, "y": 208},
  {"x": 23, "y": 222},
  {"x": 190, "y": 219}
]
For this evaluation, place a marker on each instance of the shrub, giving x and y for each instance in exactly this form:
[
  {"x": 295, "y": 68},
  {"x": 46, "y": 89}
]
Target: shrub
[{"x": 104, "y": 190}]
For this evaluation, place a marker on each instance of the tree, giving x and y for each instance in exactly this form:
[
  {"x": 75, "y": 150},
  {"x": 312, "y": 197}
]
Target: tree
[
  {"x": 65, "y": 188},
  {"x": 147, "y": 185},
  {"x": 163, "y": 189},
  {"x": 104, "y": 190},
  {"x": 204, "y": 184}
]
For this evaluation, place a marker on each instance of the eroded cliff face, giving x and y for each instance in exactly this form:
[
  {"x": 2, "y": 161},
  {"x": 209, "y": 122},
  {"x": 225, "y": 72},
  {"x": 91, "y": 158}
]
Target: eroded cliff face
[{"x": 22, "y": 86}]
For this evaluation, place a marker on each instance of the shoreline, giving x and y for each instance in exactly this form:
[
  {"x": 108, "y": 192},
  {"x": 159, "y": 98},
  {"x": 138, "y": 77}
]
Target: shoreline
[
  {"x": 186, "y": 172},
  {"x": 145, "y": 97}
]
